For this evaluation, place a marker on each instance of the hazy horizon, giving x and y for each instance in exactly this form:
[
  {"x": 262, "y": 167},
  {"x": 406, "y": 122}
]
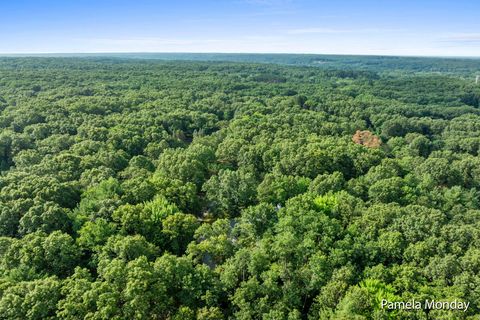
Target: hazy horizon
[
  {"x": 373, "y": 27},
  {"x": 120, "y": 53}
]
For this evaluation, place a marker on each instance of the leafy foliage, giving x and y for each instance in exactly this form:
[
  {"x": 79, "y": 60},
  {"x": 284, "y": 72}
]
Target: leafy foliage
[{"x": 145, "y": 189}]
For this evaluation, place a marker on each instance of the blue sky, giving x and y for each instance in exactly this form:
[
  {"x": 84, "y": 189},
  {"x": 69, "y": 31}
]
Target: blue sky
[{"x": 387, "y": 27}]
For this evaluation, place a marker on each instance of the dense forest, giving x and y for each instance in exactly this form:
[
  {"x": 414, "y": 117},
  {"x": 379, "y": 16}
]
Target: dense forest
[
  {"x": 384, "y": 64},
  {"x": 150, "y": 189}
]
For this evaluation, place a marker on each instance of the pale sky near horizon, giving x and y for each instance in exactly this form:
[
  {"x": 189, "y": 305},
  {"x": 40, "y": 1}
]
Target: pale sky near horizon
[{"x": 388, "y": 27}]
